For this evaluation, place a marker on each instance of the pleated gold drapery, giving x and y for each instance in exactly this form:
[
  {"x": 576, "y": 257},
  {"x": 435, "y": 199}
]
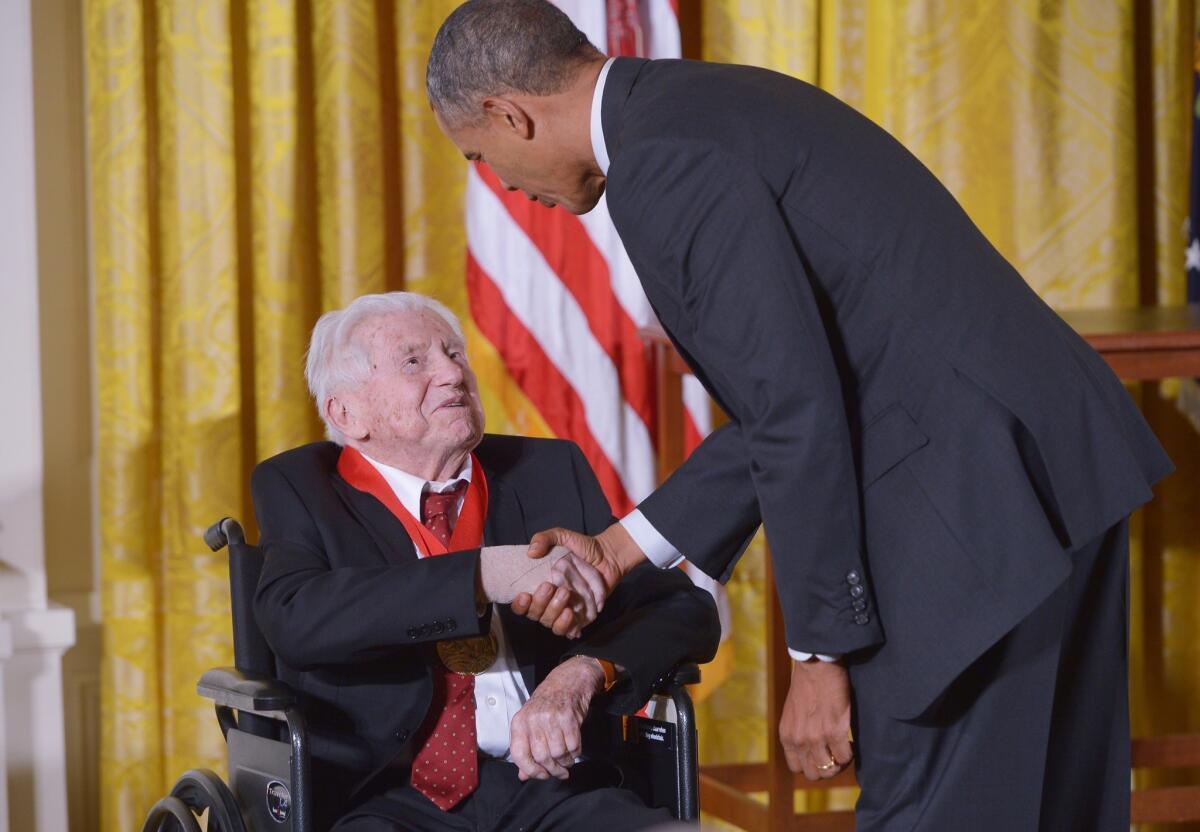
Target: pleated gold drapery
[{"x": 255, "y": 163}]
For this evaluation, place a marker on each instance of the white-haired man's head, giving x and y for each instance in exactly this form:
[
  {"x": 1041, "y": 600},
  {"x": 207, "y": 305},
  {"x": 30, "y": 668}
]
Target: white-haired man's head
[{"x": 390, "y": 377}]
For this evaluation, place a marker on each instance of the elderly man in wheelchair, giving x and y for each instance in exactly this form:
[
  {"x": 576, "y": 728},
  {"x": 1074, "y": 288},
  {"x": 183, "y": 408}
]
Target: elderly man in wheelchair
[{"x": 454, "y": 675}]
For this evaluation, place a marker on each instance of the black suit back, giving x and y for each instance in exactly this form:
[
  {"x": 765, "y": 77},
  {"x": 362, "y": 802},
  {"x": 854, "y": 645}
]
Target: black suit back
[{"x": 860, "y": 330}]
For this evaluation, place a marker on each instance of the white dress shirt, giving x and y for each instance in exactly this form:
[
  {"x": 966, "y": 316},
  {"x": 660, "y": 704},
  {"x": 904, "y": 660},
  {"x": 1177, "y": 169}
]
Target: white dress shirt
[
  {"x": 658, "y": 550},
  {"x": 599, "y": 148},
  {"x": 500, "y": 690}
]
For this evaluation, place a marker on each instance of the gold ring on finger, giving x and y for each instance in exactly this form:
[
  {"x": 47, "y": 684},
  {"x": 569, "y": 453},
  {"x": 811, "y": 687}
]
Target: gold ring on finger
[{"x": 828, "y": 766}]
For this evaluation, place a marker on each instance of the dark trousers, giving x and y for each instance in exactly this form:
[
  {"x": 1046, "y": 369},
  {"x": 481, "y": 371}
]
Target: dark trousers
[
  {"x": 1033, "y": 737},
  {"x": 586, "y": 801}
]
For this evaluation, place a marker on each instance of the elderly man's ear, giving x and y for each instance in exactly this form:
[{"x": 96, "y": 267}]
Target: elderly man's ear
[{"x": 343, "y": 415}]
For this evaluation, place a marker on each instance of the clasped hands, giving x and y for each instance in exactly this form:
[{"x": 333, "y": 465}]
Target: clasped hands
[
  {"x": 558, "y": 590},
  {"x": 561, "y": 579}
]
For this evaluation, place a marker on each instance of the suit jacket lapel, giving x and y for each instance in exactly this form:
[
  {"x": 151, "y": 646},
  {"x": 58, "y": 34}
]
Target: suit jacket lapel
[
  {"x": 394, "y": 544},
  {"x": 618, "y": 85}
]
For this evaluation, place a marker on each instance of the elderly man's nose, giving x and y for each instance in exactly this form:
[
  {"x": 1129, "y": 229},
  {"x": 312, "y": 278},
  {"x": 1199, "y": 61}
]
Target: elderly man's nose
[{"x": 450, "y": 371}]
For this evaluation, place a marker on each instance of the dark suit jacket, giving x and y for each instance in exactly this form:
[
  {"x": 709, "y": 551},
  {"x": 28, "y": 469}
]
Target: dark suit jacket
[
  {"x": 352, "y": 614},
  {"x": 858, "y": 329}
]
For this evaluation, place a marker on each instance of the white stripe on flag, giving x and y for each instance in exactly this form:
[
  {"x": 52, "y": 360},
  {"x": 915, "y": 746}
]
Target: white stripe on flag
[
  {"x": 662, "y": 29},
  {"x": 591, "y": 17},
  {"x": 698, "y": 404},
  {"x": 537, "y": 298},
  {"x": 713, "y": 588},
  {"x": 622, "y": 277}
]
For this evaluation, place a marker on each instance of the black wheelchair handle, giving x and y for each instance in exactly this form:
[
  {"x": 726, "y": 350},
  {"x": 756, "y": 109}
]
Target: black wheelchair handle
[{"x": 223, "y": 532}]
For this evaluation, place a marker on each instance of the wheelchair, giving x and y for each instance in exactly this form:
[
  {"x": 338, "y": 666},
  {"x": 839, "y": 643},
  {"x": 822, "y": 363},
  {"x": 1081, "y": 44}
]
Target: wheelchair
[{"x": 270, "y": 748}]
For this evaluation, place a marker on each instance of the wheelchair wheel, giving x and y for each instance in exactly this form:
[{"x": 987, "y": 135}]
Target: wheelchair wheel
[
  {"x": 171, "y": 815},
  {"x": 200, "y": 789}
]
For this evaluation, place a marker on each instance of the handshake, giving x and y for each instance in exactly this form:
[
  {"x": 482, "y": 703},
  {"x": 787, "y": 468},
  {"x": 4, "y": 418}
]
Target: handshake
[{"x": 560, "y": 580}]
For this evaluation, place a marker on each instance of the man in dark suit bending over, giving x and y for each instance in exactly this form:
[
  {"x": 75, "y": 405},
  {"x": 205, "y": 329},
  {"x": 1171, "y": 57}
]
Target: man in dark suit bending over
[
  {"x": 943, "y": 468},
  {"x": 384, "y": 552}
]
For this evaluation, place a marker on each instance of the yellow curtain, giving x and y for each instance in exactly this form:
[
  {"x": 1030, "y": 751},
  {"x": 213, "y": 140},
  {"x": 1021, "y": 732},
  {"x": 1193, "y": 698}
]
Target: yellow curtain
[
  {"x": 255, "y": 163},
  {"x": 1064, "y": 130}
]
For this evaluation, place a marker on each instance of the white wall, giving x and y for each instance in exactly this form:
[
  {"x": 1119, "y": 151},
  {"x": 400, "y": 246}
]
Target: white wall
[
  {"x": 33, "y": 759},
  {"x": 22, "y": 556}
]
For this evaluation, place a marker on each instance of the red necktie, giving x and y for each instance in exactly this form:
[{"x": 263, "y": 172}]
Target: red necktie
[
  {"x": 437, "y": 509},
  {"x": 446, "y": 769}
]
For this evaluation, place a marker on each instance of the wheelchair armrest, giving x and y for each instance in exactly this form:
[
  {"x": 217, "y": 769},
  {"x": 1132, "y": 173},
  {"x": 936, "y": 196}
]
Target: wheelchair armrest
[
  {"x": 242, "y": 691},
  {"x": 684, "y": 674}
]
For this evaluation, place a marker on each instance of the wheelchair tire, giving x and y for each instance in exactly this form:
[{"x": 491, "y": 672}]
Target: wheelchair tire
[
  {"x": 201, "y": 789},
  {"x": 171, "y": 815}
]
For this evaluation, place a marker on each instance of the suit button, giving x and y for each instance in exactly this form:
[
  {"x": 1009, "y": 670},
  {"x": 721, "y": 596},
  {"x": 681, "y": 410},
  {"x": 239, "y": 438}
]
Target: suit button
[
  {"x": 860, "y": 604},
  {"x": 412, "y": 632},
  {"x": 853, "y": 578},
  {"x": 862, "y": 618},
  {"x": 401, "y": 736},
  {"x": 857, "y": 591},
  {"x": 438, "y": 626},
  {"x": 451, "y": 625}
]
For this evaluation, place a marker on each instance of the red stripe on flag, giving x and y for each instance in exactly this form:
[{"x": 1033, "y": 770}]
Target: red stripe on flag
[
  {"x": 571, "y": 254},
  {"x": 541, "y": 381},
  {"x": 625, "y": 36}
]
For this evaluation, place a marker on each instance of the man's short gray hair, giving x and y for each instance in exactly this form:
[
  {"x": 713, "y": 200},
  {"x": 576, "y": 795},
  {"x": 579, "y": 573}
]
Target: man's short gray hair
[
  {"x": 336, "y": 361},
  {"x": 495, "y": 47}
]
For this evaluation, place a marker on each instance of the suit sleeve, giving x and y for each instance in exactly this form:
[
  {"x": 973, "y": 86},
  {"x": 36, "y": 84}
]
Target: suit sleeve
[
  {"x": 713, "y": 483},
  {"x": 717, "y": 246},
  {"x": 654, "y": 620},
  {"x": 313, "y": 615}
]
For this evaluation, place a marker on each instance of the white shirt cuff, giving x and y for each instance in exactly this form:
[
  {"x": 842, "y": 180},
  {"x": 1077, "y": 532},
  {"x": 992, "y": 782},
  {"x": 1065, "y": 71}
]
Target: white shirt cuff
[
  {"x": 801, "y": 656},
  {"x": 657, "y": 549}
]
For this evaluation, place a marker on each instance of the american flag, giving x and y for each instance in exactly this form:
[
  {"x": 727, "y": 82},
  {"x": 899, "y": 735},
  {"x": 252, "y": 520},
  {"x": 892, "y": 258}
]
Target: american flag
[{"x": 558, "y": 298}]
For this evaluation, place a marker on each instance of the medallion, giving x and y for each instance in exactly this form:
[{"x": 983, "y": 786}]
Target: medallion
[{"x": 469, "y": 655}]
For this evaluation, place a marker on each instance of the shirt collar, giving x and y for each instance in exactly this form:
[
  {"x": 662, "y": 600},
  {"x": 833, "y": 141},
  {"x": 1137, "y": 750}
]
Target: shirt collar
[
  {"x": 408, "y": 488},
  {"x": 599, "y": 148}
]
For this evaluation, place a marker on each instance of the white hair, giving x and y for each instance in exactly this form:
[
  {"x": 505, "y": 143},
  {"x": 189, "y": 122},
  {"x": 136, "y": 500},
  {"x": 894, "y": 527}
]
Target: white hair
[{"x": 337, "y": 362}]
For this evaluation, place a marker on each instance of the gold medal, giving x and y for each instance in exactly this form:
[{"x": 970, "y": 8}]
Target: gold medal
[{"x": 469, "y": 655}]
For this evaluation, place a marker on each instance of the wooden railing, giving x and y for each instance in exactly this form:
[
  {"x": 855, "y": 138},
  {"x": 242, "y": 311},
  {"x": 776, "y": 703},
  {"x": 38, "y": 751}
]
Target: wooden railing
[{"x": 1140, "y": 345}]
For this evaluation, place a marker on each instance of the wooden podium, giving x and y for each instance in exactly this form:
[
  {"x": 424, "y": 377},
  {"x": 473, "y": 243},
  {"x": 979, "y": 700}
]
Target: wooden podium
[{"x": 1140, "y": 345}]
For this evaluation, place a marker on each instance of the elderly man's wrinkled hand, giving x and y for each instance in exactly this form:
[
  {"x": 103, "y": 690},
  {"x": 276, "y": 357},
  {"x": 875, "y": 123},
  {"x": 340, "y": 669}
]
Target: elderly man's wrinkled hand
[
  {"x": 546, "y": 736},
  {"x": 569, "y": 601}
]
